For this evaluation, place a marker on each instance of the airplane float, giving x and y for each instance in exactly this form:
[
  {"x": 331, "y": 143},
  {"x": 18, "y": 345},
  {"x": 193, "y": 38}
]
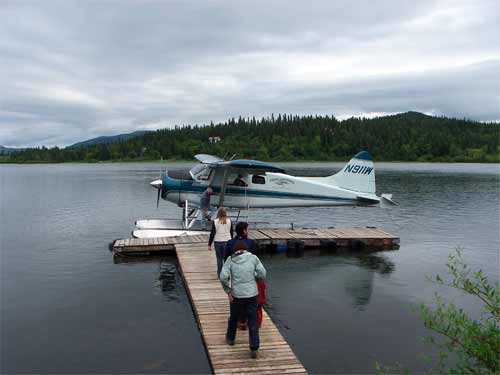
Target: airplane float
[{"x": 244, "y": 184}]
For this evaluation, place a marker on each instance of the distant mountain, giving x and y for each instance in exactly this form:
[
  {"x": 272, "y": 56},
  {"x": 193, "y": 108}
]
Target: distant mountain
[
  {"x": 412, "y": 115},
  {"x": 108, "y": 139},
  {"x": 9, "y": 150}
]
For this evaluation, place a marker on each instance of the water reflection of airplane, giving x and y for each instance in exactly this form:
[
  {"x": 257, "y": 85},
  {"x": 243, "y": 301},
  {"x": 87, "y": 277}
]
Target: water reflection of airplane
[
  {"x": 353, "y": 274},
  {"x": 169, "y": 281},
  {"x": 240, "y": 184}
]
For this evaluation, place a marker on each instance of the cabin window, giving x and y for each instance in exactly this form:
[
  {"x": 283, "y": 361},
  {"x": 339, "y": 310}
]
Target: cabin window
[
  {"x": 237, "y": 180},
  {"x": 257, "y": 179}
]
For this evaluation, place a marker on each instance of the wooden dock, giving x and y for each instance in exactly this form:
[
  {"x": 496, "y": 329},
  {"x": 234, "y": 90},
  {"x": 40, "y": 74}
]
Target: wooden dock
[
  {"x": 211, "y": 307},
  {"x": 210, "y": 303},
  {"x": 371, "y": 238}
]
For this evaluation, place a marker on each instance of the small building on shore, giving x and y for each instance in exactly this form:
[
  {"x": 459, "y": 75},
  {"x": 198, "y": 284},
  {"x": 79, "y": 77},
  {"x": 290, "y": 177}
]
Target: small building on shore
[{"x": 214, "y": 139}]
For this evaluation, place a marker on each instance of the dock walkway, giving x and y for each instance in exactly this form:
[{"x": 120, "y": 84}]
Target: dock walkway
[{"x": 211, "y": 308}]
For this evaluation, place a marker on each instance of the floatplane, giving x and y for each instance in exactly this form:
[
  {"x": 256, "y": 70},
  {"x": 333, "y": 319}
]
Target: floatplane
[{"x": 244, "y": 184}]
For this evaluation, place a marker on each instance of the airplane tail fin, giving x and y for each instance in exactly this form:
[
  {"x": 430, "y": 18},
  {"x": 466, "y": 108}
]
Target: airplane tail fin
[{"x": 358, "y": 174}]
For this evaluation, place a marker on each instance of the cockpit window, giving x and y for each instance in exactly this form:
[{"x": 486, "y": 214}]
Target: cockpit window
[
  {"x": 200, "y": 172},
  {"x": 197, "y": 169}
]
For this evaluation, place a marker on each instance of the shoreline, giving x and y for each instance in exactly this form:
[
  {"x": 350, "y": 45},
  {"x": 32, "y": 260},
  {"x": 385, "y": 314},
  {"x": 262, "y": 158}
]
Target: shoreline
[{"x": 160, "y": 161}]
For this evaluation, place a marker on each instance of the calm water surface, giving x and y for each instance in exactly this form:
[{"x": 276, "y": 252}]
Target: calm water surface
[{"x": 66, "y": 307}]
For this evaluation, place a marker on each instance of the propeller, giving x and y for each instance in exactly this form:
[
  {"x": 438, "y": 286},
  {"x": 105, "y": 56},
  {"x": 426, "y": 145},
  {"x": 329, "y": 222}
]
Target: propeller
[{"x": 157, "y": 184}]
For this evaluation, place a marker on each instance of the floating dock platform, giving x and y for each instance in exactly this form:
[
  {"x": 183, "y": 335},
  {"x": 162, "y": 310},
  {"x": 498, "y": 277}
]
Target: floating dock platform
[
  {"x": 342, "y": 238},
  {"x": 210, "y": 303}
]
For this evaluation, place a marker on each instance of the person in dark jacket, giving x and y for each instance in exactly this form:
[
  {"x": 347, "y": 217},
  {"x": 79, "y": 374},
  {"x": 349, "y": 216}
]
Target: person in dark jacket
[{"x": 241, "y": 235}]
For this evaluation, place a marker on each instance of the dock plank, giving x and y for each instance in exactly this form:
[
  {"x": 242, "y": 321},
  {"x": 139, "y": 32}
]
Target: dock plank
[{"x": 256, "y": 234}]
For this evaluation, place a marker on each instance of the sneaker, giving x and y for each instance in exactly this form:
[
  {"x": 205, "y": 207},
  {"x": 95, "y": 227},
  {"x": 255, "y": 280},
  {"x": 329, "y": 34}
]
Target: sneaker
[
  {"x": 229, "y": 342},
  {"x": 254, "y": 353}
]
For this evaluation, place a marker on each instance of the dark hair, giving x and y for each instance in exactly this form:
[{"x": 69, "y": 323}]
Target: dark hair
[
  {"x": 240, "y": 245},
  {"x": 240, "y": 228}
]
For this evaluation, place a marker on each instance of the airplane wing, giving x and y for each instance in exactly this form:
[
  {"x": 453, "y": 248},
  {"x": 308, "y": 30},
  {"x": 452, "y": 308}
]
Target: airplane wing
[
  {"x": 254, "y": 165},
  {"x": 246, "y": 165},
  {"x": 208, "y": 159}
]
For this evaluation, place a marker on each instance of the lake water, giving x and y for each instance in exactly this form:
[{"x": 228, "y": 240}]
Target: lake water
[{"x": 66, "y": 307}]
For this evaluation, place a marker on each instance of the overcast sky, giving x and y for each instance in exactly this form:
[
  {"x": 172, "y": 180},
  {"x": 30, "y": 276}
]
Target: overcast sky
[{"x": 73, "y": 70}]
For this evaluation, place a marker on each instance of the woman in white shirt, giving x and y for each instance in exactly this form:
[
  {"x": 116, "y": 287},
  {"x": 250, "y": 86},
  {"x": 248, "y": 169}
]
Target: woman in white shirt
[{"x": 222, "y": 231}]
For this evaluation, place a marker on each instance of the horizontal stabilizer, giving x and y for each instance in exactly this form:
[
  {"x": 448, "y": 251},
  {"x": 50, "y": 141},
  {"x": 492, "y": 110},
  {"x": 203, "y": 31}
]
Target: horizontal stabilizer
[{"x": 386, "y": 200}]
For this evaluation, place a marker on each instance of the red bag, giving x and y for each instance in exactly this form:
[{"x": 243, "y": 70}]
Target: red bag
[
  {"x": 261, "y": 299},
  {"x": 261, "y": 287}
]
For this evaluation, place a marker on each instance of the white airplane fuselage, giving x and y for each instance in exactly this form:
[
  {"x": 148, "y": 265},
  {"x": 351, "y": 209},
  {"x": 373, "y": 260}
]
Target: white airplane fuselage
[
  {"x": 279, "y": 190},
  {"x": 251, "y": 183}
]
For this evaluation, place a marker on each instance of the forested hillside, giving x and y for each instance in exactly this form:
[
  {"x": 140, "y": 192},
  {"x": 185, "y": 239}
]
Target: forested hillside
[{"x": 409, "y": 136}]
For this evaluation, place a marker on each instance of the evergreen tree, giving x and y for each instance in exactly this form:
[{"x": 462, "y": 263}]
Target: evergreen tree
[{"x": 409, "y": 136}]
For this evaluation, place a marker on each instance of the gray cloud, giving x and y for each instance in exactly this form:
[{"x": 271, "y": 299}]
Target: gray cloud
[{"x": 71, "y": 70}]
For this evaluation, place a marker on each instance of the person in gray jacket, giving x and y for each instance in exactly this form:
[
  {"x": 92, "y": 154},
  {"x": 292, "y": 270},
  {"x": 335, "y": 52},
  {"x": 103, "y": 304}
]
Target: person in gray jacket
[
  {"x": 242, "y": 268},
  {"x": 205, "y": 207}
]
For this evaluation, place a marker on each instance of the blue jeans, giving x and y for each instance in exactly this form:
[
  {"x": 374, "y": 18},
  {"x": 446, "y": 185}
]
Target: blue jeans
[
  {"x": 220, "y": 251},
  {"x": 211, "y": 212},
  {"x": 249, "y": 307}
]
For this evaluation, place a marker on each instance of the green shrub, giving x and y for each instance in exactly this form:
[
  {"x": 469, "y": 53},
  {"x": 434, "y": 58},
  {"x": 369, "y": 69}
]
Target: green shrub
[{"x": 473, "y": 344}]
